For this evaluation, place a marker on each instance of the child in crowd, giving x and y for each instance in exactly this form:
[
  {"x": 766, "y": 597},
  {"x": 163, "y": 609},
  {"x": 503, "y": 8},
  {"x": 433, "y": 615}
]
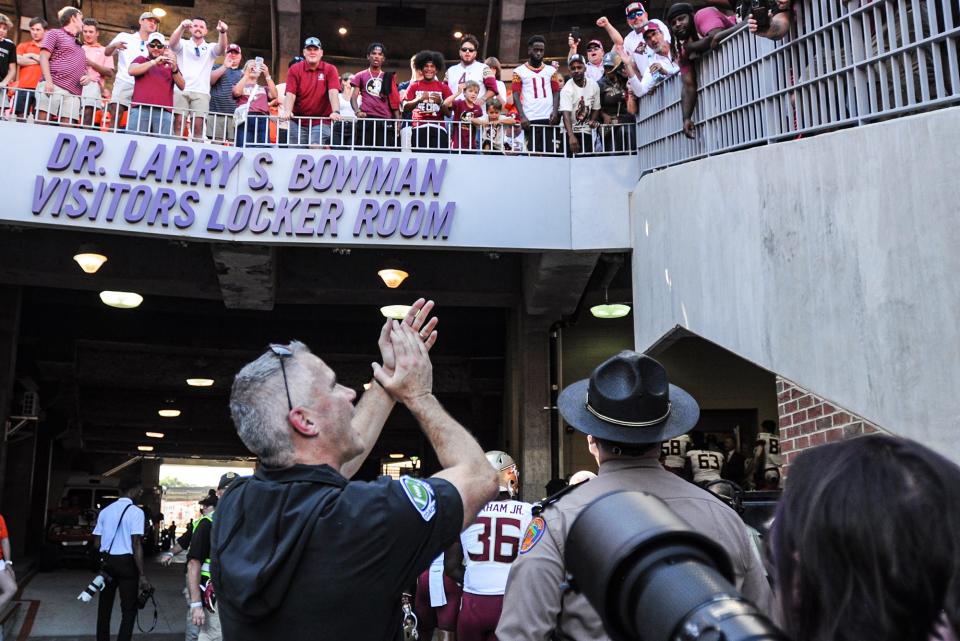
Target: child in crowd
[
  {"x": 465, "y": 111},
  {"x": 492, "y": 127}
]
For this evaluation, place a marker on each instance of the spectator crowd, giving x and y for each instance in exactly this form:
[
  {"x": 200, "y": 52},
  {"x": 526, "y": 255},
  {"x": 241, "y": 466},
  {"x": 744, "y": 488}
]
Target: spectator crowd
[{"x": 143, "y": 82}]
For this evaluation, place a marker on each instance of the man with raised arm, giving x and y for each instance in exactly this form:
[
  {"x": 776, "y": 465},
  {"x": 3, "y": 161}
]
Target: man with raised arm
[
  {"x": 195, "y": 57},
  {"x": 299, "y": 552}
]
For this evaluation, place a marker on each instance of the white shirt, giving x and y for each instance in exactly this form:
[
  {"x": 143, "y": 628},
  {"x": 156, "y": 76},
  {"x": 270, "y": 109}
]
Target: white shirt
[
  {"x": 705, "y": 464},
  {"x": 537, "y": 90},
  {"x": 491, "y": 544},
  {"x": 196, "y": 63},
  {"x": 135, "y": 48},
  {"x": 643, "y": 86},
  {"x": 580, "y": 102},
  {"x": 674, "y": 451},
  {"x": 771, "y": 445},
  {"x": 594, "y": 72},
  {"x": 108, "y": 523},
  {"x": 459, "y": 73}
]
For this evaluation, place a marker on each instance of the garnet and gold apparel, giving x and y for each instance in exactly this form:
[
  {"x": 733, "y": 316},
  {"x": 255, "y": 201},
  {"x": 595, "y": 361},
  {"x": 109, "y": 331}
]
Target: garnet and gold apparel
[
  {"x": 301, "y": 554},
  {"x": 155, "y": 87},
  {"x": 429, "y": 96},
  {"x": 68, "y": 62},
  {"x": 312, "y": 88}
]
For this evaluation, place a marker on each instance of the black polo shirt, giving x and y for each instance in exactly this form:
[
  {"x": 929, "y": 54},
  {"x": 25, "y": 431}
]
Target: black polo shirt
[{"x": 303, "y": 554}]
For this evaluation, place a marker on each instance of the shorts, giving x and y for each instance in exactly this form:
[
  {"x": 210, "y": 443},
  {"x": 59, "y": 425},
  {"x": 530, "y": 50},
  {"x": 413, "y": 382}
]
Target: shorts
[
  {"x": 91, "y": 95},
  {"x": 122, "y": 92},
  {"x": 710, "y": 18},
  {"x": 191, "y": 101},
  {"x": 221, "y": 127},
  {"x": 61, "y": 103},
  {"x": 479, "y": 615},
  {"x": 309, "y": 134}
]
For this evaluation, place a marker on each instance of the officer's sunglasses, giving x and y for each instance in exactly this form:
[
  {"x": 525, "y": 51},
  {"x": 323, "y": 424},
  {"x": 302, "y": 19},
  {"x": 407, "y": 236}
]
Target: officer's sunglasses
[{"x": 282, "y": 353}]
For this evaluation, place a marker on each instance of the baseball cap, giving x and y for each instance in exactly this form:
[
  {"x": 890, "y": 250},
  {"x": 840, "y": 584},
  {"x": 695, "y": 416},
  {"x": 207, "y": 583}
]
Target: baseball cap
[
  {"x": 312, "y": 42},
  {"x": 227, "y": 479},
  {"x": 633, "y": 6},
  {"x": 209, "y": 500},
  {"x": 233, "y": 49},
  {"x": 148, "y": 15},
  {"x": 156, "y": 36},
  {"x": 594, "y": 43},
  {"x": 576, "y": 58},
  {"x": 659, "y": 25}
]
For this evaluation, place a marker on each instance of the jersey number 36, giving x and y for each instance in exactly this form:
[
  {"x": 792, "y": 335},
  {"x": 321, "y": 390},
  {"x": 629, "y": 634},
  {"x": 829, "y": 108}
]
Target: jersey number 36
[{"x": 504, "y": 546}]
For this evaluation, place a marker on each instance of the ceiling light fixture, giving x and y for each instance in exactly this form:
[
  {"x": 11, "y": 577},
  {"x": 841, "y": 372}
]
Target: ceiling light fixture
[
  {"x": 396, "y": 455},
  {"x": 457, "y": 34},
  {"x": 169, "y": 413},
  {"x": 342, "y": 31},
  {"x": 145, "y": 448},
  {"x": 392, "y": 277},
  {"x": 199, "y": 382},
  {"x": 121, "y": 300},
  {"x": 396, "y": 312},
  {"x": 154, "y": 434},
  {"x": 158, "y": 12},
  {"x": 609, "y": 310},
  {"x": 90, "y": 258}
]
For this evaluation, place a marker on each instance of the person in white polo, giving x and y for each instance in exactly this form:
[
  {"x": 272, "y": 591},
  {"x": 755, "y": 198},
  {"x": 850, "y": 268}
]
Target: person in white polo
[
  {"x": 128, "y": 46},
  {"x": 195, "y": 59}
]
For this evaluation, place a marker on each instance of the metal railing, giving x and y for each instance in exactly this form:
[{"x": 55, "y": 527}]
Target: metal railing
[
  {"x": 265, "y": 130},
  {"x": 846, "y": 63}
]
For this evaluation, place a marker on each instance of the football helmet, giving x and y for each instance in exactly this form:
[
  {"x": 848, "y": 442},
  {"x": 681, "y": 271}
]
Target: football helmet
[{"x": 507, "y": 467}]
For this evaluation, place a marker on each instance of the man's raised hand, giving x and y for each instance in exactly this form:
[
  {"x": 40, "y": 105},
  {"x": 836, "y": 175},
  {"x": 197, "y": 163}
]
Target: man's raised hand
[
  {"x": 416, "y": 318},
  {"x": 412, "y": 376}
]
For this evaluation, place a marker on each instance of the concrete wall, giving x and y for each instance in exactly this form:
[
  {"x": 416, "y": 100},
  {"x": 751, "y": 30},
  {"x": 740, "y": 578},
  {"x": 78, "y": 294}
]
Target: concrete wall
[{"x": 832, "y": 261}]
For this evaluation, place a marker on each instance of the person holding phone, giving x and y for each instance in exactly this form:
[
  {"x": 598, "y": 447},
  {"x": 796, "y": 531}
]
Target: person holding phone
[
  {"x": 253, "y": 103},
  {"x": 154, "y": 77}
]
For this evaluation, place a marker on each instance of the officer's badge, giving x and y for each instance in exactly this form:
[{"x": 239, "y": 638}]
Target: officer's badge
[
  {"x": 421, "y": 495},
  {"x": 533, "y": 534}
]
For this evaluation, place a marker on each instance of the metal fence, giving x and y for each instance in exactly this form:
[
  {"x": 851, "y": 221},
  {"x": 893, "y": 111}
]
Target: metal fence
[
  {"x": 263, "y": 130},
  {"x": 845, "y": 63}
]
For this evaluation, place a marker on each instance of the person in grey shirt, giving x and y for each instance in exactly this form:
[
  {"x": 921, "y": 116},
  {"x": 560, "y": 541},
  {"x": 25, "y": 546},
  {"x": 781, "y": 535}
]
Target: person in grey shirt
[{"x": 220, "y": 124}]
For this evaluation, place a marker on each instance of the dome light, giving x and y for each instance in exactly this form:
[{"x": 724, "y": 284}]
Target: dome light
[
  {"x": 121, "y": 300},
  {"x": 396, "y": 455},
  {"x": 90, "y": 258},
  {"x": 609, "y": 310},
  {"x": 392, "y": 276},
  {"x": 158, "y": 12},
  {"x": 145, "y": 448},
  {"x": 199, "y": 382},
  {"x": 154, "y": 434},
  {"x": 169, "y": 413},
  {"x": 396, "y": 312},
  {"x": 457, "y": 34},
  {"x": 342, "y": 31}
]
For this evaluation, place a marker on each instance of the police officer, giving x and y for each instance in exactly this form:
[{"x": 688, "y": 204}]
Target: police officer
[
  {"x": 626, "y": 408},
  {"x": 299, "y": 551},
  {"x": 203, "y": 613}
]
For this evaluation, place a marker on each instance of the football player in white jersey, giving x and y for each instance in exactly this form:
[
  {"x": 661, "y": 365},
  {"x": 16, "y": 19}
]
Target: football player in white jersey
[
  {"x": 536, "y": 95},
  {"x": 705, "y": 465},
  {"x": 470, "y": 69},
  {"x": 487, "y": 549},
  {"x": 768, "y": 460},
  {"x": 673, "y": 454}
]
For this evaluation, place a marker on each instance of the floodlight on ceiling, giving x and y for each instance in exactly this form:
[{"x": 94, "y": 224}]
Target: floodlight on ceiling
[
  {"x": 90, "y": 258},
  {"x": 392, "y": 277},
  {"x": 158, "y": 12},
  {"x": 169, "y": 413},
  {"x": 200, "y": 382},
  {"x": 396, "y": 455},
  {"x": 342, "y": 31},
  {"x": 145, "y": 448},
  {"x": 457, "y": 34},
  {"x": 396, "y": 312},
  {"x": 154, "y": 434},
  {"x": 609, "y": 310},
  {"x": 121, "y": 300}
]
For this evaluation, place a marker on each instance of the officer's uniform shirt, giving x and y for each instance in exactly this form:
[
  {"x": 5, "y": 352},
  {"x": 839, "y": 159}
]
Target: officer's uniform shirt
[
  {"x": 536, "y": 606},
  {"x": 706, "y": 465},
  {"x": 491, "y": 544},
  {"x": 107, "y": 524}
]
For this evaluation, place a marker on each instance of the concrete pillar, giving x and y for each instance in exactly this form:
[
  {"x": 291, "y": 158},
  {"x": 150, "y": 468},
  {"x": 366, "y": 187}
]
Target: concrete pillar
[
  {"x": 530, "y": 382},
  {"x": 511, "y": 25},
  {"x": 11, "y": 298},
  {"x": 286, "y": 30}
]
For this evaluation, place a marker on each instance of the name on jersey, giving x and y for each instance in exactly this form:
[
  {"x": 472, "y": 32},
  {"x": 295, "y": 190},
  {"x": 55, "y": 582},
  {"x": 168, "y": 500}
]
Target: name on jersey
[
  {"x": 160, "y": 185},
  {"x": 506, "y": 508}
]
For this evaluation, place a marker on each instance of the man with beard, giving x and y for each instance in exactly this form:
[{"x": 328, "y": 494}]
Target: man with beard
[
  {"x": 580, "y": 107},
  {"x": 617, "y": 106},
  {"x": 376, "y": 101},
  {"x": 195, "y": 58},
  {"x": 536, "y": 95},
  {"x": 469, "y": 69},
  {"x": 661, "y": 67},
  {"x": 128, "y": 46},
  {"x": 695, "y": 35},
  {"x": 220, "y": 123},
  {"x": 634, "y": 42}
]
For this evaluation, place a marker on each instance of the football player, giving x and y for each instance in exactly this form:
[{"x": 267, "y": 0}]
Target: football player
[
  {"x": 673, "y": 454},
  {"x": 487, "y": 548},
  {"x": 705, "y": 465},
  {"x": 767, "y": 457}
]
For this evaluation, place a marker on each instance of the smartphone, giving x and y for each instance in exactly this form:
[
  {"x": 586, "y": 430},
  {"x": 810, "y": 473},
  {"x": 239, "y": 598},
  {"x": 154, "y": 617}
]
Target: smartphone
[
  {"x": 259, "y": 61},
  {"x": 575, "y": 33}
]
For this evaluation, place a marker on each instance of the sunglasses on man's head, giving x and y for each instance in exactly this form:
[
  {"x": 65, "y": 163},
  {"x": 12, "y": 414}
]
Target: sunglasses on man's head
[
  {"x": 633, "y": 15},
  {"x": 282, "y": 352}
]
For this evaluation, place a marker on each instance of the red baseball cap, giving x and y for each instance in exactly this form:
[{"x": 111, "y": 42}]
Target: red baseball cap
[
  {"x": 634, "y": 6},
  {"x": 594, "y": 42}
]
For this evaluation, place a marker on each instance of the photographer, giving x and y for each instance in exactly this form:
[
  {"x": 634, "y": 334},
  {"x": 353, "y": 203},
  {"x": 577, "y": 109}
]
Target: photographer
[
  {"x": 776, "y": 23},
  {"x": 626, "y": 408},
  {"x": 118, "y": 535}
]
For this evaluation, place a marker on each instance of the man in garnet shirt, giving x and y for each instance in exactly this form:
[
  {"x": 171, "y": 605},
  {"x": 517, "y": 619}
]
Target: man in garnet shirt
[
  {"x": 312, "y": 97},
  {"x": 154, "y": 77},
  {"x": 63, "y": 63},
  {"x": 376, "y": 101},
  {"x": 425, "y": 98}
]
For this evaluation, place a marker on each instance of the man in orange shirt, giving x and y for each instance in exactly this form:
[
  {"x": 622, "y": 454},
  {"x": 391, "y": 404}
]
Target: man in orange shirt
[{"x": 28, "y": 65}]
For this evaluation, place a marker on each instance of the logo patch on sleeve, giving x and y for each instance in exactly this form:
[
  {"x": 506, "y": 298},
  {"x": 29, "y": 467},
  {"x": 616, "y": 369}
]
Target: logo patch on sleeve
[
  {"x": 421, "y": 495},
  {"x": 533, "y": 534}
]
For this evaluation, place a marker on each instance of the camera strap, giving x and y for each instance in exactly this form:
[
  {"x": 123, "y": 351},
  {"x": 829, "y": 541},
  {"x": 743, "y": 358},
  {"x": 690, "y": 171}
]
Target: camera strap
[
  {"x": 115, "y": 532},
  {"x": 155, "y": 616}
]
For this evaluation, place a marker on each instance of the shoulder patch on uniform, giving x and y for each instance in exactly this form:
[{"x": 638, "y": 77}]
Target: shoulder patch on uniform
[
  {"x": 533, "y": 534},
  {"x": 421, "y": 495}
]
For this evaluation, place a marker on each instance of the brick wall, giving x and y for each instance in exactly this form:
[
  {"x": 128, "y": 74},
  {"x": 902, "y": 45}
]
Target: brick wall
[{"x": 807, "y": 420}]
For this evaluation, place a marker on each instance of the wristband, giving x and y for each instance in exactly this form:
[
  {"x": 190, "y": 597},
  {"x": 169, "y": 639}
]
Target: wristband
[{"x": 196, "y": 604}]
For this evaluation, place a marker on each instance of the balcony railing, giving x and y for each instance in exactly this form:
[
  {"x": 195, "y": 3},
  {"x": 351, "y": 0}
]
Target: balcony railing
[
  {"x": 847, "y": 63},
  {"x": 255, "y": 130}
]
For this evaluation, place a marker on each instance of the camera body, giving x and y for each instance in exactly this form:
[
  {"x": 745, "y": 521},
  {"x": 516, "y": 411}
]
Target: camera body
[
  {"x": 143, "y": 597},
  {"x": 98, "y": 582}
]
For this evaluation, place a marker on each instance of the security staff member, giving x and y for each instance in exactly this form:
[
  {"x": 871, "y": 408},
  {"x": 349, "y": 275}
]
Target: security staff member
[
  {"x": 203, "y": 613},
  {"x": 119, "y": 537},
  {"x": 300, "y": 552},
  {"x": 627, "y": 429}
]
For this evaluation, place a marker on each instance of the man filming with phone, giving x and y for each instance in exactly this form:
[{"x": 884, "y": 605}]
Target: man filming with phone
[{"x": 118, "y": 535}]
